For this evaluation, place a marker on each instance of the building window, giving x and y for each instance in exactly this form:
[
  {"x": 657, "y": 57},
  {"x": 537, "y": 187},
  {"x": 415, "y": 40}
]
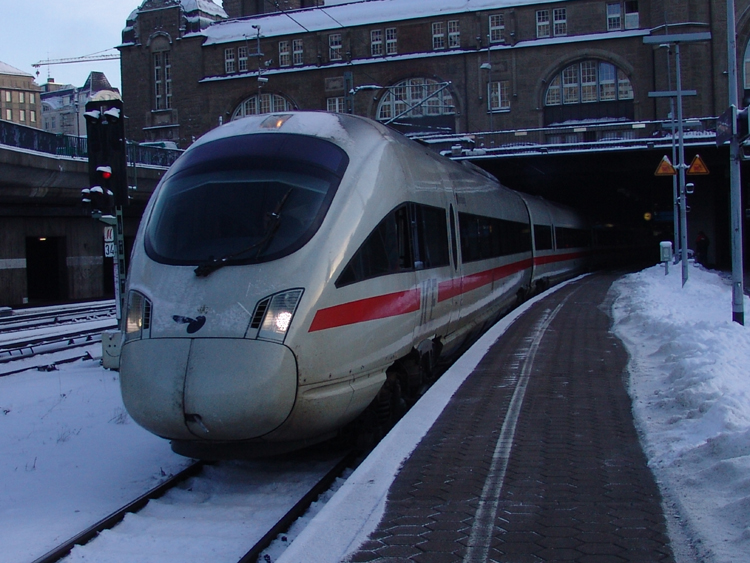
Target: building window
[
  {"x": 614, "y": 17},
  {"x": 391, "y": 45},
  {"x": 32, "y": 116},
  {"x": 560, "y": 21},
  {"x": 586, "y": 82},
  {"x": 21, "y": 98},
  {"x": 242, "y": 59},
  {"x": 167, "y": 80},
  {"x": 454, "y": 34},
  {"x": 22, "y": 115},
  {"x": 334, "y": 47},
  {"x": 297, "y": 52},
  {"x": 284, "y": 54},
  {"x": 9, "y": 115},
  {"x": 499, "y": 98},
  {"x": 158, "y": 81},
  {"x": 8, "y": 96},
  {"x": 31, "y": 98},
  {"x": 497, "y": 28},
  {"x": 631, "y": 14},
  {"x": 335, "y": 105},
  {"x": 376, "y": 42},
  {"x": 415, "y": 97},
  {"x": 229, "y": 61},
  {"x": 589, "y": 87},
  {"x": 438, "y": 36},
  {"x": 262, "y": 103},
  {"x": 542, "y": 23}
]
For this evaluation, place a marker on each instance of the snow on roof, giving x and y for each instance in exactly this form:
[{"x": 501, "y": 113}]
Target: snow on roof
[
  {"x": 206, "y": 6},
  {"x": 350, "y": 14},
  {"x": 7, "y": 69}
]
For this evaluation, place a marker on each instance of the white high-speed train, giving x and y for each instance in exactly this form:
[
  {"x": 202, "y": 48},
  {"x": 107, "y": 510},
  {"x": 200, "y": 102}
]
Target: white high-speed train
[{"x": 293, "y": 269}]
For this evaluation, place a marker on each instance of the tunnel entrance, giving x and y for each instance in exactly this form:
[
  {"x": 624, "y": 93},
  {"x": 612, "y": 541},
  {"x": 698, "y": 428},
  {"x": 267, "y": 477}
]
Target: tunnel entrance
[{"x": 46, "y": 269}]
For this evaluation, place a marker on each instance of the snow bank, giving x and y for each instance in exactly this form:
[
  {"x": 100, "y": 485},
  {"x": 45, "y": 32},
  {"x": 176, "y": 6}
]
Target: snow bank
[{"x": 690, "y": 386}]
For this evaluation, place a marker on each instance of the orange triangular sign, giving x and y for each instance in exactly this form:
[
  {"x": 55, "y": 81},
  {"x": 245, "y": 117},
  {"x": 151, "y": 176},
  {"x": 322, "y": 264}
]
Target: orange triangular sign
[
  {"x": 697, "y": 166},
  {"x": 665, "y": 168}
]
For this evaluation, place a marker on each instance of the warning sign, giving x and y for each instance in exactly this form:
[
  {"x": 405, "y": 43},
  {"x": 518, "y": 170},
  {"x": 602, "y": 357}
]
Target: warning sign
[
  {"x": 665, "y": 168},
  {"x": 697, "y": 166}
]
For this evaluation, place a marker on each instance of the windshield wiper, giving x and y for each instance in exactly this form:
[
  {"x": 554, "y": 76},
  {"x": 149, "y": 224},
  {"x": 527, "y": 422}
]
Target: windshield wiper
[{"x": 214, "y": 264}]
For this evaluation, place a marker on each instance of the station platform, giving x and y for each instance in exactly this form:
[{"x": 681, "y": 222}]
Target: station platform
[{"x": 524, "y": 451}]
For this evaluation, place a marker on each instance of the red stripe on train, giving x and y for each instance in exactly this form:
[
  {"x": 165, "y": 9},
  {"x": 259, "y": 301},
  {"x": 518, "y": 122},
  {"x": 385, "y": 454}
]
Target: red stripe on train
[
  {"x": 451, "y": 288},
  {"x": 541, "y": 260},
  {"x": 402, "y": 302},
  {"x": 369, "y": 309}
]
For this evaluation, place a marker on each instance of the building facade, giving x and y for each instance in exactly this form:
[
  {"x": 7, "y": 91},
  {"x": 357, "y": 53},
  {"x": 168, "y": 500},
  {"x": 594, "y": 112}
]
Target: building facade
[
  {"x": 438, "y": 66},
  {"x": 19, "y": 97},
  {"x": 63, "y": 105}
]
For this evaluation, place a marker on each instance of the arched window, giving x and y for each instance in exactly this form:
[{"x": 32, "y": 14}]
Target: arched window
[
  {"x": 746, "y": 68},
  {"x": 418, "y": 104},
  {"x": 262, "y": 103},
  {"x": 590, "y": 89}
]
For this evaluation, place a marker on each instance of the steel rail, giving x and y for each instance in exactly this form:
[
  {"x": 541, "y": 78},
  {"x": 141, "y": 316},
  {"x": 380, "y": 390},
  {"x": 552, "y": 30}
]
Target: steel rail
[{"x": 113, "y": 519}]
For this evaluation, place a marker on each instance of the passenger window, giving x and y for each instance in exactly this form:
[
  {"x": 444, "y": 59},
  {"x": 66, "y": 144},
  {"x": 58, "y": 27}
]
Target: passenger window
[
  {"x": 543, "y": 237},
  {"x": 568, "y": 237},
  {"x": 433, "y": 236},
  {"x": 489, "y": 237},
  {"x": 410, "y": 237}
]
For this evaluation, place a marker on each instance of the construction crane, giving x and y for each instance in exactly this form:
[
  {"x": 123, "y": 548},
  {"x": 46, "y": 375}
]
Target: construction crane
[{"x": 107, "y": 55}]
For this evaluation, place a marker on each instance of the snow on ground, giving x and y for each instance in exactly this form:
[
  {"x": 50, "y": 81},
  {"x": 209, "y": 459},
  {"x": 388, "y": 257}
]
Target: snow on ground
[
  {"x": 69, "y": 454},
  {"x": 690, "y": 385}
]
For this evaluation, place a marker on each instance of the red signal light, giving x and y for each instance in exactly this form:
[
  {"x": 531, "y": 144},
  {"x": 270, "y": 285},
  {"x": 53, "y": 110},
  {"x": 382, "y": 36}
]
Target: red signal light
[{"x": 105, "y": 172}]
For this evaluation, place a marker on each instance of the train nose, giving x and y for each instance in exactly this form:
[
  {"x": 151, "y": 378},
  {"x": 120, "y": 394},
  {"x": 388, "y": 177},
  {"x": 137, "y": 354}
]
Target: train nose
[{"x": 211, "y": 389}]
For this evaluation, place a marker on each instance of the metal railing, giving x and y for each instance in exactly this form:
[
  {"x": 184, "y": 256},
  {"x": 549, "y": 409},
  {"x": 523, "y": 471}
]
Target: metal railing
[
  {"x": 30, "y": 138},
  {"x": 571, "y": 137}
]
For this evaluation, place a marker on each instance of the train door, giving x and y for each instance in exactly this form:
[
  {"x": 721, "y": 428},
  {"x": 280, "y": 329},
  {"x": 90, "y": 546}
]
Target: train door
[
  {"x": 46, "y": 269},
  {"x": 453, "y": 290}
]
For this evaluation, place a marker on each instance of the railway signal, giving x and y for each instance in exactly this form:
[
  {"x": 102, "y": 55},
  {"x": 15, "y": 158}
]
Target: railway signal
[
  {"x": 105, "y": 130},
  {"x": 108, "y": 185}
]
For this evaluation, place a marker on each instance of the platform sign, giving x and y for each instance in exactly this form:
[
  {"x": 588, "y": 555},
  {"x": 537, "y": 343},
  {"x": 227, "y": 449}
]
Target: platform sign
[
  {"x": 697, "y": 167},
  {"x": 110, "y": 247},
  {"x": 665, "y": 168}
]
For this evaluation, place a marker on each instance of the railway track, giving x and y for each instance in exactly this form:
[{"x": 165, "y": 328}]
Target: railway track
[
  {"x": 41, "y": 317},
  {"x": 44, "y": 338},
  {"x": 194, "y": 478}
]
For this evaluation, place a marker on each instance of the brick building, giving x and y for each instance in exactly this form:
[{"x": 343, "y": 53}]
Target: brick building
[
  {"x": 19, "y": 96},
  {"x": 439, "y": 65}
]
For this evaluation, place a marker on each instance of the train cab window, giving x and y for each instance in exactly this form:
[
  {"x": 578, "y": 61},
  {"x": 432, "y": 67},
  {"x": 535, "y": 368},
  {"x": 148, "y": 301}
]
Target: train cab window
[
  {"x": 490, "y": 237},
  {"x": 542, "y": 237},
  {"x": 244, "y": 199},
  {"x": 567, "y": 237},
  {"x": 410, "y": 237}
]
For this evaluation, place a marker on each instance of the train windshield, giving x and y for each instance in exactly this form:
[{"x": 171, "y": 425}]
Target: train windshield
[{"x": 241, "y": 200}]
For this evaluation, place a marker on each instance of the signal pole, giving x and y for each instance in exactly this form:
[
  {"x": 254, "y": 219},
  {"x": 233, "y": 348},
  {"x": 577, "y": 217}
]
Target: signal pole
[{"x": 738, "y": 290}]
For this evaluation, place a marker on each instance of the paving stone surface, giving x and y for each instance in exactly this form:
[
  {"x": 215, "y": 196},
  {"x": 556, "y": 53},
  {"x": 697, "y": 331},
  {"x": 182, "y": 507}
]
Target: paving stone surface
[{"x": 571, "y": 482}]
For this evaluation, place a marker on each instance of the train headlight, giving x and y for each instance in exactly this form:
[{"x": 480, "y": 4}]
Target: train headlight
[
  {"x": 138, "y": 319},
  {"x": 278, "y": 316}
]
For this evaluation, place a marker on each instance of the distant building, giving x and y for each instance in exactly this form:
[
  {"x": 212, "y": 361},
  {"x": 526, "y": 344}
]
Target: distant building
[
  {"x": 19, "y": 96},
  {"x": 436, "y": 65},
  {"x": 63, "y": 105}
]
